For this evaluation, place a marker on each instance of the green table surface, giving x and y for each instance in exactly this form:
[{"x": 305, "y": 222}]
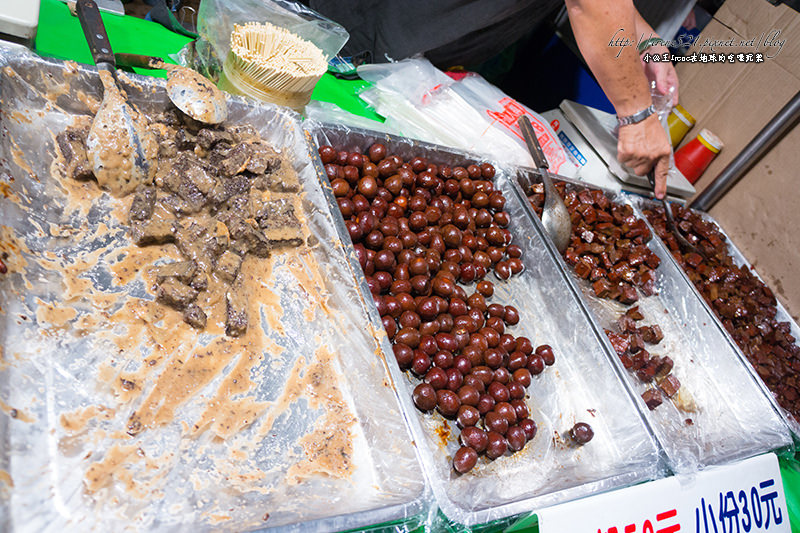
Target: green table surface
[{"x": 60, "y": 36}]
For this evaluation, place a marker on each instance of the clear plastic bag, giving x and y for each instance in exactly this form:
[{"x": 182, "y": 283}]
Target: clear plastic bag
[
  {"x": 504, "y": 112},
  {"x": 217, "y": 17},
  {"x": 422, "y": 102},
  {"x": 329, "y": 112}
]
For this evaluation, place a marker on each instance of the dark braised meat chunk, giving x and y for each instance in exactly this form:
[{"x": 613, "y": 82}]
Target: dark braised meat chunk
[
  {"x": 670, "y": 385},
  {"x": 228, "y": 266},
  {"x": 195, "y": 316},
  {"x": 175, "y": 294},
  {"x": 652, "y": 398},
  {"x": 184, "y": 271},
  {"x": 190, "y": 180},
  {"x": 263, "y": 158},
  {"x": 277, "y": 180},
  {"x": 153, "y": 231},
  {"x": 279, "y": 222},
  {"x": 72, "y": 145},
  {"x": 236, "y": 310},
  {"x": 630, "y": 344},
  {"x": 207, "y": 138},
  {"x": 143, "y": 204},
  {"x": 234, "y": 160},
  {"x": 246, "y": 237}
]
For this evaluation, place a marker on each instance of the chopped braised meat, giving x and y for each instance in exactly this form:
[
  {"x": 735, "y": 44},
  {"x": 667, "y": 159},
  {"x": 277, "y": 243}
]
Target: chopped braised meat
[
  {"x": 203, "y": 200},
  {"x": 235, "y": 160},
  {"x": 634, "y": 313},
  {"x": 228, "y": 266},
  {"x": 652, "y": 334},
  {"x": 666, "y": 367},
  {"x": 72, "y": 145},
  {"x": 207, "y": 138},
  {"x": 745, "y": 306},
  {"x": 236, "y": 310},
  {"x": 181, "y": 270},
  {"x": 153, "y": 231},
  {"x": 246, "y": 237},
  {"x": 277, "y": 181},
  {"x": 670, "y": 385},
  {"x": 175, "y": 294},
  {"x": 263, "y": 158},
  {"x": 637, "y": 343},
  {"x": 620, "y": 343},
  {"x": 195, "y": 316},
  {"x": 143, "y": 204},
  {"x": 652, "y": 398}
]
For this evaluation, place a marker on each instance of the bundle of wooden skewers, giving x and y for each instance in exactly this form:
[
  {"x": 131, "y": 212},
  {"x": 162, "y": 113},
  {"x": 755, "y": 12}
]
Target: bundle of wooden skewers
[{"x": 273, "y": 64}]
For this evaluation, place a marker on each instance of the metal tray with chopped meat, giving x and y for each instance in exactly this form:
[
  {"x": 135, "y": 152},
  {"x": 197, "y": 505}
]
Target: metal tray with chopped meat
[
  {"x": 756, "y": 324},
  {"x": 702, "y": 403},
  {"x": 574, "y": 387},
  {"x": 194, "y": 354}
]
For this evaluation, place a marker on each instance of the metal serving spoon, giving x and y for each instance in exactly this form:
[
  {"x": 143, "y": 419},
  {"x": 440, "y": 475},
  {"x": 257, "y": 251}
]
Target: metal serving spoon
[
  {"x": 191, "y": 92},
  {"x": 555, "y": 217},
  {"x": 120, "y": 148},
  {"x": 683, "y": 243}
]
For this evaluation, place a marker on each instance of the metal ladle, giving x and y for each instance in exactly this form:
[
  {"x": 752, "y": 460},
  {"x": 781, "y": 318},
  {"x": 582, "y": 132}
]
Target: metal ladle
[
  {"x": 555, "y": 217},
  {"x": 120, "y": 148},
  {"x": 683, "y": 242},
  {"x": 191, "y": 92}
]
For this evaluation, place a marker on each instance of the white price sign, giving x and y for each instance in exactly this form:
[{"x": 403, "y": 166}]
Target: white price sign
[{"x": 744, "y": 497}]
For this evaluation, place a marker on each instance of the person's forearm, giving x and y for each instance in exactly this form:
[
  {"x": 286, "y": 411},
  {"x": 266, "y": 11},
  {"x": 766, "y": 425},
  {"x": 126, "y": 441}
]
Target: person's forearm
[{"x": 616, "y": 68}]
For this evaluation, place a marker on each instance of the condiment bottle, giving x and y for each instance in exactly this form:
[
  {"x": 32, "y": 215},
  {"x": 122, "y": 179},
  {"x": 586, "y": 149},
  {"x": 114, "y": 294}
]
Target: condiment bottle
[
  {"x": 679, "y": 122},
  {"x": 693, "y": 158}
]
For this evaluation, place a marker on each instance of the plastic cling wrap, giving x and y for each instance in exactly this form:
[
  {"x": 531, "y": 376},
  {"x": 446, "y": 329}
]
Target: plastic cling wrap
[
  {"x": 300, "y": 429},
  {"x": 720, "y": 413},
  {"x": 581, "y": 386}
]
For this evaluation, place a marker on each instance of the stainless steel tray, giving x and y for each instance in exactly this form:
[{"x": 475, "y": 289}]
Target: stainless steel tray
[
  {"x": 582, "y": 386},
  {"x": 733, "y": 418},
  {"x": 324, "y": 448},
  {"x": 782, "y": 315}
]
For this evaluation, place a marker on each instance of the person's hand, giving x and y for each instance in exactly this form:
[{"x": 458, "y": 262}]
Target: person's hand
[
  {"x": 661, "y": 72},
  {"x": 644, "y": 145}
]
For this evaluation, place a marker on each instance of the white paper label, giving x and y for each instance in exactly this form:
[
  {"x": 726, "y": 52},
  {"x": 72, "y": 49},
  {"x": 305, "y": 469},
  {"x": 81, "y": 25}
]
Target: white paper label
[{"x": 744, "y": 497}]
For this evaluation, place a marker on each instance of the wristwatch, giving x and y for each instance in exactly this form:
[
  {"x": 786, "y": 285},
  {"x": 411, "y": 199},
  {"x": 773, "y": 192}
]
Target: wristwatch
[
  {"x": 653, "y": 41},
  {"x": 636, "y": 117}
]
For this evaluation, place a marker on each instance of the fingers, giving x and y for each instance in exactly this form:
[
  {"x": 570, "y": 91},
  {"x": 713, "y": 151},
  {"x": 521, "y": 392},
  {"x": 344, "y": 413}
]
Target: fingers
[
  {"x": 662, "y": 171},
  {"x": 675, "y": 98},
  {"x": 643, "y": 147}
]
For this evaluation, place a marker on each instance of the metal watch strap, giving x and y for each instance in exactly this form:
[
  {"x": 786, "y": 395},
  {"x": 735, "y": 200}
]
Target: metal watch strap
[
  {"x": 636, "y": 117},
  {"x": 653, "y": 41}
]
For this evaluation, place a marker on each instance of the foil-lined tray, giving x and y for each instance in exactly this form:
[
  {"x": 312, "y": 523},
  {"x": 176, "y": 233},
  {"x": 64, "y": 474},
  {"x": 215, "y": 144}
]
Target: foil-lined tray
[
  {"x": 581, "y": 386},
  {"x": 720, "y": 413},
  {"x": 319, "y": 439}
]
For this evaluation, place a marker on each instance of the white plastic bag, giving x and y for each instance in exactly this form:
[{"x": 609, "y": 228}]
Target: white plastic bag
[
  {"x": 422, "y": 102},
  {"x": 504, "y": 112}
]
